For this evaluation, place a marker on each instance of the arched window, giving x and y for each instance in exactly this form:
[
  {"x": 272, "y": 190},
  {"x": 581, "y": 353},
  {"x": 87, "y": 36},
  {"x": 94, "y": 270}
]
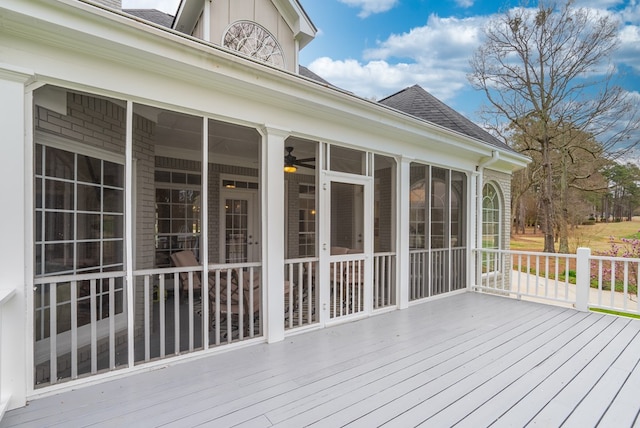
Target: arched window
[{"x": 491, "y": 226}]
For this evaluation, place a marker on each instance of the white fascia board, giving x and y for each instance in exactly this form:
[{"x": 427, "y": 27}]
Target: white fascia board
[
  {"x": 303, "y": 29},
  {"x": 187, "y": 15},
  {"x": 86, "y": 29}
]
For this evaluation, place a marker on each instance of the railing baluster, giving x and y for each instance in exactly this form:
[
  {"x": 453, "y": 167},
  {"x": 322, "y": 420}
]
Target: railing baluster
[
  {"x": 53, "y": 333},
  {"x": 190, "y": 310},
  {"x": 625, "y": 285},
  {"x": 176, "y": 313},
  {"x": 112, "y": 323},
  {"x": 147, "y": 320},
  {"x": 216, "y": 315},
  {"x": 73, "y": 292},
  {"x": 94, "y": 333},
  {"x": 163, "y": 315},
  {"x": 613, "y": 282}
]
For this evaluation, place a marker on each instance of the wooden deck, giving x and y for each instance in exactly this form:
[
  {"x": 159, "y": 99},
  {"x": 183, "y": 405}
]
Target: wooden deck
[{"x": 472, "y": 359}]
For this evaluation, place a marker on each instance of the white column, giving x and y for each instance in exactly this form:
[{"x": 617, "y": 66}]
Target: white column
[
  {"x": 273, "y": 230},
  {"x": 402, "y": 237},
  {"x": 475, "y": 228},
  {"x": 16, "y": 237},
  {"x": 206, "y": 21}
]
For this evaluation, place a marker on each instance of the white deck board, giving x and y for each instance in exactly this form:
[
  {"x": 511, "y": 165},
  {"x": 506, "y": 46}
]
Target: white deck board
[{"x": 470, "y": 359}]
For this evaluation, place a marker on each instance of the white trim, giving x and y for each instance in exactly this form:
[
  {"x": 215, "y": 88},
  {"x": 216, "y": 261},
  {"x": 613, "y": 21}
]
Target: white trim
[
  {"x": 70, "y": 145},
  {"x": 129, "y": 227},
  {"x": 30, "y": 239}
]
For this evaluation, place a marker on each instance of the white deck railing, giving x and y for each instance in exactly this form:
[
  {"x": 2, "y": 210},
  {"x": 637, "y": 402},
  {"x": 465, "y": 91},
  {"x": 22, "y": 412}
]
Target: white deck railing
[
  {"x": 581, "y": 280},
  {"x": 5, "y": 392},
  {"x": 75, "y": 318},
  {"x": 436, "y": 271},
  {"x": 384, "y": 274},
  {"x": 81, "y": 322},
  {"x": 300, "y": 294}
]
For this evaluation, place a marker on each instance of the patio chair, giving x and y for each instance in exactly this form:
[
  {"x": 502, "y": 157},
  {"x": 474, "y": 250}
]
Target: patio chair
[{"x": 229, "y": 297}]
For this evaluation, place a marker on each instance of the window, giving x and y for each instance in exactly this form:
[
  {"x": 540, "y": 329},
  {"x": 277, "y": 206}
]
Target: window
[
  {"x": 79, "y": 228},
  {"x": 307, "y": 221},
  {"x": 177, "y": 213},
  {"x": 491, "y": 226},
  {"x": 79, "y": 213}
]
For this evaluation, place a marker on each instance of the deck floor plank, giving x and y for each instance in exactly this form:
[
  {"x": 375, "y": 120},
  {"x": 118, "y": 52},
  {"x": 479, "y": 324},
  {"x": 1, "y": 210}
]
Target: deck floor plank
[
  {"x": 573, "y": 399},
  {"x": 333, "y": 366},
  {"x": 466, "y": 358},
  {"x": 525, "y": 353},
  {"x": 499, "y": 403},
  {"x": 561, "y": 369},
  {"x": 335, "y": 373},
  {"x": 436, "y": 372},
  {"x": 348, "y": 392}
]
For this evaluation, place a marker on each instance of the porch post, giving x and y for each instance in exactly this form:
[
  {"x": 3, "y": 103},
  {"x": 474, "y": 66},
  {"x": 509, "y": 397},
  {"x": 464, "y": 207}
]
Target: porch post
[
  {"x": 583, "y": 278},
  {"x": 15, "y": 176},
  {"x": 475, "y": 230},
  {"x": 402, "y": 239},
  {"x": 273, "y": 232}
]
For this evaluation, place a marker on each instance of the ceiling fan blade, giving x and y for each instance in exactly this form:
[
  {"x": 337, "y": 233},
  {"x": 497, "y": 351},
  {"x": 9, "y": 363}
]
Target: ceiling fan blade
[{"x": 306, "y": 165}]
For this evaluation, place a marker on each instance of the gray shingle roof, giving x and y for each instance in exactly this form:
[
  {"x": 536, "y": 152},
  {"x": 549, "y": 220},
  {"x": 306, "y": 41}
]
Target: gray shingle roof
[
  {"x": 304, "y": 71},
  {"x": 152, "y": 15},
  {"x": 419, "y": 103}
]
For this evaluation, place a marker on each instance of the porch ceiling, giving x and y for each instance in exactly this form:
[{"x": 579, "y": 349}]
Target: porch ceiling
[{"x": 470, "y": 358}]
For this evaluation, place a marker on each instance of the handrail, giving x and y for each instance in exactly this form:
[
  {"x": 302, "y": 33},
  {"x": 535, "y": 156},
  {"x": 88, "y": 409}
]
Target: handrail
[{"x": 582, "y": 279}]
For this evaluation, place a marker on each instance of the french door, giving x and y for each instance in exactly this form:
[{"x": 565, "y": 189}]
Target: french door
[
  {"x": 240, "y": 232},
  {"x": 346, "y": 250}
]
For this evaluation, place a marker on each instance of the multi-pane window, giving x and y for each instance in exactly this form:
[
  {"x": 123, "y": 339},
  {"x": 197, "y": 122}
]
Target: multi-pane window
[
  {"x": 79, "y": 228},
  {"x": 236, "y": 230},
  {"x": 178, "y": 200},
  {"x": 439, "y": 208},
  {"x": 79, "y": 213},
  {"x": 307, "y": 221},
  {"x": 418, "y": 214},
  {"x": 490, "y": 225}
]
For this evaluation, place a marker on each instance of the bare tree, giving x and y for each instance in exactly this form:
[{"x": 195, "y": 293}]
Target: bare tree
[{"x": 547, "y": 74}]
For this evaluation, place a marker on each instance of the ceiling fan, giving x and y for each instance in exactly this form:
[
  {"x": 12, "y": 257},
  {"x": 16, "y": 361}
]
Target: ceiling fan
[{"x": 291, "y": 163}]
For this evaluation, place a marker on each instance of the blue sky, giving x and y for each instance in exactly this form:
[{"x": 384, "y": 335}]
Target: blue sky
[{"x": 375, "y": 48}]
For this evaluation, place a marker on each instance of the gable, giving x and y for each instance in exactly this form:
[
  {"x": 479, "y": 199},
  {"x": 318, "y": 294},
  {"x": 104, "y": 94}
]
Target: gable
[{"x": 285, "y": 20}]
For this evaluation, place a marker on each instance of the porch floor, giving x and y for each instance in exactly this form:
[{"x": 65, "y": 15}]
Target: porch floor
[{"x": 471, "y": 359}]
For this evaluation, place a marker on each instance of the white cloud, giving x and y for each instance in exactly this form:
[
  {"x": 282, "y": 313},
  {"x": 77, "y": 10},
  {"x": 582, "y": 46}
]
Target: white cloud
[
  {"x": 377, "y": 79},
  {"x": 464, "y": 3},
  {"x": 629, "y": 51},
  {"x": 369, "y": 7},
  {"x": 435, "y": 56},
  {"x": 166, "y": 6}
]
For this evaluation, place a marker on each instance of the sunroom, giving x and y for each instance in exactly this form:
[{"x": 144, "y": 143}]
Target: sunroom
[
  {"x": 120, "y": 184},
  {"x": 177, "y": 199}
]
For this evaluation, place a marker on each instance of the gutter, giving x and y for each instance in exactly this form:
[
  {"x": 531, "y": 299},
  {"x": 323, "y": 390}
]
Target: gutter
[{"x": 495, "y": 157}]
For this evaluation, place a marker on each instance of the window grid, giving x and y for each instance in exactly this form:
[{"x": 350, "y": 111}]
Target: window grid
[
  {"x": 178, "y": 207},
  {"x": 490, "y": 225},
  {"x": 307, "y": 221},
  {"x": 79, "y": 228}
]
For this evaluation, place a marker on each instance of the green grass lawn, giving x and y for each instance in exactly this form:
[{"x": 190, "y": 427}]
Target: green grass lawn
[{"x": 595, "y": 237}]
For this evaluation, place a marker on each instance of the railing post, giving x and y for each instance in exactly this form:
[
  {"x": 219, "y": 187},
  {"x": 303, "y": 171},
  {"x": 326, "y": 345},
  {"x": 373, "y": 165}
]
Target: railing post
[{"x": 583, "y": 278}]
